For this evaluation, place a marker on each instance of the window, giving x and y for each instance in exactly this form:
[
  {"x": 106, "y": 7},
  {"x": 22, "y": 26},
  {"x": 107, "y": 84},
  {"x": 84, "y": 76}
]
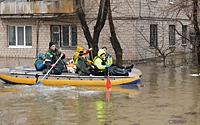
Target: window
[
  {"x": 171, "y": 34},
  {"x": 171, "y": 1},
  {"x": 65, "y": 35},
  {"x": 192, "y": 41},
  {"x": 184, "y": 34},
  {"x": 153, "y": 35},
  {"x": 20, "y": 36}
]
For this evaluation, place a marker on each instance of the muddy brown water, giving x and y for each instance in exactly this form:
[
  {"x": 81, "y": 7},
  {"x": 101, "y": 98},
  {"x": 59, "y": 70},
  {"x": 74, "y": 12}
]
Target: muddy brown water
[{"x": 165, "y": 96}]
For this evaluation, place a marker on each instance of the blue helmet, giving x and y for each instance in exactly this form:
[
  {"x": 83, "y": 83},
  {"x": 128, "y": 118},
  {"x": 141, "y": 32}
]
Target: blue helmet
[{"x": 40, "y": 55}]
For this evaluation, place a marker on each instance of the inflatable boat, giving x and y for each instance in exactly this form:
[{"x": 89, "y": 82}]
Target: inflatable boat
[{"x": 30, "y": 76}]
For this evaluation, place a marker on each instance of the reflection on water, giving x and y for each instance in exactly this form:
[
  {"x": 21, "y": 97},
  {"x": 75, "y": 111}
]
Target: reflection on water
[{"x": 170, "y": 96}]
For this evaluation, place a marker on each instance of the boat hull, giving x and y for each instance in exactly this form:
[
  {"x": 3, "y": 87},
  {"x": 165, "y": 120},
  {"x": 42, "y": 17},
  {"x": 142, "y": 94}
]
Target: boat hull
[
  {"x": 31, "y": 77},
  {"x": 77, "y": 81}
]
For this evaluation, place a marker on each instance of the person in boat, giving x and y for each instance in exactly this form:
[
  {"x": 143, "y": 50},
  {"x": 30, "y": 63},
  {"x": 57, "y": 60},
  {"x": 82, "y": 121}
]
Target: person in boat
[
  {"x": 84, "y": 68},
  {"x": 109, "y": 58},
  {"x": 51, "y": 56},
  {"x": 102, "y": 65},
  {"x": 79, "y": 50},
  {"x": 39, "y": 62}
]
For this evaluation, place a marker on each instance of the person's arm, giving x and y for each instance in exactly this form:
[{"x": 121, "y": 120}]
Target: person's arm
[
  {"x": 87, "y": 51},
  {"x": 39, "y": 64},
  {"x": 63, "y": 54},
  {"x": 48, "y": 59},
  {"x": 98, "y": 64}
]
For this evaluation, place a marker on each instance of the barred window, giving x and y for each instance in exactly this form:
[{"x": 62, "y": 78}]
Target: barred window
[
  {"x": 153, "y": 35},
  {"x": 171, "y": 34},
  {"x": 64, "y": 35},
  {"x": 184, "y": 34}
]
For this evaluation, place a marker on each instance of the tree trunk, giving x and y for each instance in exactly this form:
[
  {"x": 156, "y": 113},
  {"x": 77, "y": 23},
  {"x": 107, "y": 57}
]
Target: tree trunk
[
  {"x": 196, "y": 27},
  {"x": 101, "y": 19},
  {"x": 93, "y": 42},
  {"x": 114, "y": 41},
  {"x": 84, "y": 25}
]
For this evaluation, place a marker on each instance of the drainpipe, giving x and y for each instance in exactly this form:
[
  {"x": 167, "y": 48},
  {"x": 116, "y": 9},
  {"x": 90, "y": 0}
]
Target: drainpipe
[
  {"x": 140, "y": 8},
  {"x": 37, "y": 35}
]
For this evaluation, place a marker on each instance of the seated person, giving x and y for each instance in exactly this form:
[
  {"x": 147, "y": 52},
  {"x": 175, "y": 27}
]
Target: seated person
[
  {"x": 84, "y": 68},
  {"x": 39, "y": 62},
  {"x": 51, "y": 56},
  {"x": 100, "y": 62},
  {"x": 79, "y": 50},
  {"x": 102, "y": 65},
  {"x": 108, "y": 57}
]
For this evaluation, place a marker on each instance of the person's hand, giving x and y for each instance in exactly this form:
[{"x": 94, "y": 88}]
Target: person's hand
[
  {"x": 109, "y": 55},
  {"x": 63, "y": 53},
  {"x": 52, "y": 65},
  {"x": 92, "y": 63},
  {"x": 90, "y": 49},
  {"x": 108, "y": 66}
]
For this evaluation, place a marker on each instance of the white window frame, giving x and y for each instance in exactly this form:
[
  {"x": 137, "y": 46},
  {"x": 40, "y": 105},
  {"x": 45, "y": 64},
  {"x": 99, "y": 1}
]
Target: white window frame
[
  {"x": 16, "y": 38},
  {"x": 171, "y": 1}
]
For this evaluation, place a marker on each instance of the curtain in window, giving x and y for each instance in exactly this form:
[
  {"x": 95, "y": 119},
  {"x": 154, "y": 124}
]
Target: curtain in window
[
  {"x": 28, "y": 35},
  {"x": 11, "y": 36},
  {"x": 20, "y": 35}
]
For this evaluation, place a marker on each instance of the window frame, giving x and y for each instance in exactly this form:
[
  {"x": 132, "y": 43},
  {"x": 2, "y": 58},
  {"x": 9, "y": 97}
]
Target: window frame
[
  {"x": 63, "y": 36},
  {"x": 172, "y": 32},
  {"x": 153, "y": 35},
  {"x": 184, "y": 34},
  {"x": 16, "y": 35},
  {"x": 171, "y": 1}
]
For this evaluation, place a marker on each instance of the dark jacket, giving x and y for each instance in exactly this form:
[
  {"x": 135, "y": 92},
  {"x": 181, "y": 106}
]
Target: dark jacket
[
  {"x": 51, "y": 57},
  {"x": 83, "y": 67}
]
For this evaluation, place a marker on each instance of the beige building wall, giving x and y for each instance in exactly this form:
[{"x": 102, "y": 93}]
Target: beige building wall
[
  {"x": 132, "y": 21},
  {"x": 44, "y": 38}
]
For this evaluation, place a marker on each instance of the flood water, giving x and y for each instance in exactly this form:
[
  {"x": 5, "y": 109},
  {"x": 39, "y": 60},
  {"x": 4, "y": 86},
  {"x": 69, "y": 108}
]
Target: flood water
[{"x": 165, "y": 96}]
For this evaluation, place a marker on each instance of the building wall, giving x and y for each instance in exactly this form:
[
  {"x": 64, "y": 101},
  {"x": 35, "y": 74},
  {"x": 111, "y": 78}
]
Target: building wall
[
  {"x": 132, "y": 23},
  {"x": 44, "y": 38}
]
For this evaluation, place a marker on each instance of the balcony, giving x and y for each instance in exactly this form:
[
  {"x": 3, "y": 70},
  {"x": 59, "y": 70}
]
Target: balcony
[{"x": 10, "y": 8}]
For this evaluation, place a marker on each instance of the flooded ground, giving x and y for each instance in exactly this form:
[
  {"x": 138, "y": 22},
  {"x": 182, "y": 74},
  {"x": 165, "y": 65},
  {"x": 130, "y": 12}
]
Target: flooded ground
[{"x": 167, "y": 96}]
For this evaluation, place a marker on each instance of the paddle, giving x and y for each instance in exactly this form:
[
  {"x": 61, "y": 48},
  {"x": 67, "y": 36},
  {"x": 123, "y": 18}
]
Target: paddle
[
  {"x": 38, "y": 83},
  {"x": 108, "y": 83}
]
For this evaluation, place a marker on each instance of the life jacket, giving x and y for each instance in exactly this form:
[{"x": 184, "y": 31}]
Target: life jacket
[
  {"x": 76, "y": 55},
  {"x": 55, "y": 56},
  {"x": 99, "y": 63}
]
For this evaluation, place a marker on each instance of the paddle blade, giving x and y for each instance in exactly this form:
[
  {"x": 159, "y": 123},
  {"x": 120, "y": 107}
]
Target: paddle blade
[
  {"x": 108, "y": 83},
  {"x": 38, "y": 83}
]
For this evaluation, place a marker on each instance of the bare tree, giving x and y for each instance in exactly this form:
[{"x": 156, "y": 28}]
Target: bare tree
[
  {"x": 101, "y": 18},
  {"x": 191, "y": 10},
  {"x": 104, "y": 10},
  {"x": 114, "y": 41}
]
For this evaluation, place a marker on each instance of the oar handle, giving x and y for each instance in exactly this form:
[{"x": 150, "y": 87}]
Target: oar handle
[{"x": 50, "y": 69}]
